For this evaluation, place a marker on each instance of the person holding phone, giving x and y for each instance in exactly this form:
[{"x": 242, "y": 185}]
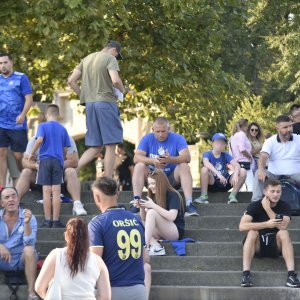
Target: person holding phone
[
  {"x": 267, "y": 221},
  {"x": 162, "y": 212},
  {"x": 167, "y": 151}
]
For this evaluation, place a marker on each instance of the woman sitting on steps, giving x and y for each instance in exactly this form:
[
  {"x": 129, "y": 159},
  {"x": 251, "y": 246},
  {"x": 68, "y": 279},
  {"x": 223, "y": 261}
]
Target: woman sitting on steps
[{"x": 163, "y": 212}]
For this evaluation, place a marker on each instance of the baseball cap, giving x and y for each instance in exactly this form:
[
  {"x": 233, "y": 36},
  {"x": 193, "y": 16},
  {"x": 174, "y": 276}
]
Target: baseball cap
[
  {"x": 219, "y": 136},
  {"x": 114, "y": 44}
]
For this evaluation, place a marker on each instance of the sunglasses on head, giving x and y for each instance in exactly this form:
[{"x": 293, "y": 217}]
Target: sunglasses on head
[{"x": 254, "y": 129}]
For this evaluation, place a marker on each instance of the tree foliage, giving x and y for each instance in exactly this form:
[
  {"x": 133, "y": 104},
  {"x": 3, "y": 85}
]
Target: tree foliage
[
  {"x": 254, "y": 110},
  {"x": 192, "y": 61}
]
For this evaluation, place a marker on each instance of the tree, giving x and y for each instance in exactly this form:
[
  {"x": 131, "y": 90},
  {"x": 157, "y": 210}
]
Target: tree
[
  {"x": 192, "y": 61},
  {"x": 253, "y": 109},
  {"x": 170, "y": 49}
]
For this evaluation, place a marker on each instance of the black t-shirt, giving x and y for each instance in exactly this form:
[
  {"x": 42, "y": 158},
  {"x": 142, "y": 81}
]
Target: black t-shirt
[
  {"x": 123, "y": 169},
  {"x": 258, "y": 213},
  {"x": 173, "y": 202},
  {"x": 296, "y": 128}
]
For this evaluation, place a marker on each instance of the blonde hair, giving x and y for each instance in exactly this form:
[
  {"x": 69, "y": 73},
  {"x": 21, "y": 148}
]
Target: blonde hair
[
  {"x": 238, "y": 125},
  {"x": 162, "y": 187}
]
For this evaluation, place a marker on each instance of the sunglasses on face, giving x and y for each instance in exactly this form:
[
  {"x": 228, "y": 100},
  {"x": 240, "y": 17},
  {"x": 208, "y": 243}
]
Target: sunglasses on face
[{"x": 254, "y": 129}]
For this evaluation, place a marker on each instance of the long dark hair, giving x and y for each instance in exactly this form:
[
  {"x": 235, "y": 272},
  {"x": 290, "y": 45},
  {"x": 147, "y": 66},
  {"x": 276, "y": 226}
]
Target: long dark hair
[
  {"x": 162, "y": 186},
  {"x": 260, "y": 136},
  {"x": 77, "y": 245}
]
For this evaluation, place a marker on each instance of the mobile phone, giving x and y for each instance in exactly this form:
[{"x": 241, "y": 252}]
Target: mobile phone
[{"x": 279, "y": 217}]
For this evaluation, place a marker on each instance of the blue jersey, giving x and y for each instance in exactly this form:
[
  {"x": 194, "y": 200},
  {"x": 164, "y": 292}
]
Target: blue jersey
[
  {"x": 55, "y": 138},
  {"x": 154, "y": 148},
  {"x": 13, "y": 90},
  {"x": 220, "y": 163},
  {"x": 121, "y": 234}
]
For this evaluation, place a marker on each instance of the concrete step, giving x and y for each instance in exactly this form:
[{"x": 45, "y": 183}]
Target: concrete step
[
  {"x": 204, "y": 222},
  {"x": 216, "y": 278},
  {"x": 205, "y": 235},
  {"x": 126, "y": 197},
  {"x": 220, "y": 263},
  {"x": 214, "y": 249},
  {"x": 173, "y": 292},
  {"x": 214, "y": 209}
]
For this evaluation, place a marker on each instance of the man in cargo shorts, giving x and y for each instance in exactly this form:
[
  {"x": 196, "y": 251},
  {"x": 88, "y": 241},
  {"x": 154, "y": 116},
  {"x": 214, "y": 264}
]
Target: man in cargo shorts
[{"x": 99, "y": 76}]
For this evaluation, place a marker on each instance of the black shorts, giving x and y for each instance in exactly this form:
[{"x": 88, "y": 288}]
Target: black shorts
[
  {"x": 50, "y": 172},
  {"x": 180, "y": 232},
  {"x": 15, "y": 139},
  {"x": 268, "y": 245},
  {"x": 173, "y": 182},
  {"x": 219, "y": 187}
]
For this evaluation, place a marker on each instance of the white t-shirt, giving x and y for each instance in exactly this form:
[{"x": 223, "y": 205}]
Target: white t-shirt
[{"x": 284, "y": 157}]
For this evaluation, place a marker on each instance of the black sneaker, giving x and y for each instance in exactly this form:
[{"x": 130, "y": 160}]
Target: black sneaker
[
  {"x": 46, "y": 224},
  {"x": 293, "y": 281},
  {"x": 58, "y": 224},
  {"x": 246, "y": 280}
]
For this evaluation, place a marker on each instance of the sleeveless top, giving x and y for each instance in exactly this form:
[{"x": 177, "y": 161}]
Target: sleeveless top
[{"x": 82, "y": 285}]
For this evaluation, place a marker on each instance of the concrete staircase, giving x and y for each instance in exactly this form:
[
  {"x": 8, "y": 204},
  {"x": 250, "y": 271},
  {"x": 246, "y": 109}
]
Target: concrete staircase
[{"x": 211, "y": 270}]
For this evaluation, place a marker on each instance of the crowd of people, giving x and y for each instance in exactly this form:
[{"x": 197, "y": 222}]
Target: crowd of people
[{"x": 112, "y": 252}]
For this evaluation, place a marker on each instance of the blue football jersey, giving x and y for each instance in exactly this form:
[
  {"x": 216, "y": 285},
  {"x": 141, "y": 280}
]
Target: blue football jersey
[
  {"x": 121, "y": 234},
  {"x": 13, "y": 90}
]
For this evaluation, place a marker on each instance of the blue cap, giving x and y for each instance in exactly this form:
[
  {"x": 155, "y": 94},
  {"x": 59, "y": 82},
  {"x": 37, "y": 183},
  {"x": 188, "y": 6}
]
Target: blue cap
[{"x": 219, "y": 136}]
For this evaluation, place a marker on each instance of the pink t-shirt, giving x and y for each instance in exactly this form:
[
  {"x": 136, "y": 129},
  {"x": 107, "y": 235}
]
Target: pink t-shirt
[{"x": 239, "y": 142}]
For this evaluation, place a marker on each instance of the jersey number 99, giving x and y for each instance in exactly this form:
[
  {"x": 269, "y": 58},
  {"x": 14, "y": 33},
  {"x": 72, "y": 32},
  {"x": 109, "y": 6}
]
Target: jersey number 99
[{"x": 129, "y": 244}]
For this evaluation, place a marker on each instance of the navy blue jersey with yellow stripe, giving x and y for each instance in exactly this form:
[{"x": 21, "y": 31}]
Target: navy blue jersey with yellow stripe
[{"x": 121, "y": 234}]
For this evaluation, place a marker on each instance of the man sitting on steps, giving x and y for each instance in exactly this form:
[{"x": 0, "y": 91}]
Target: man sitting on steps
[
  {"x": 18, "y": 229},
  {"x": 168, "y": 151},
  {"x": 267, "y": 221}
]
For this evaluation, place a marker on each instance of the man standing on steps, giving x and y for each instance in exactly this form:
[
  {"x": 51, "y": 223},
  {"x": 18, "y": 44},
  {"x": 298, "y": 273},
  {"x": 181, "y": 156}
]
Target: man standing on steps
[
  {"x": 15, "y": 102},
  {"x": 71, "y": 183},
  {"x": 18, "y": 229},
  {"x": 99, "y": 76},
  {"x": 267, "y": 221},
  {"x": 166, "y": 150},
  {"x": 118, "y": 237}
]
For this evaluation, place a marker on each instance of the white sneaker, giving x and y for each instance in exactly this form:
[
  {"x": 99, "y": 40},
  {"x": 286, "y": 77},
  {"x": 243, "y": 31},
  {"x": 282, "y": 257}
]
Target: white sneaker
[
  {"x": 78, "y": 209},
  {"x": 157, "y": 251}
]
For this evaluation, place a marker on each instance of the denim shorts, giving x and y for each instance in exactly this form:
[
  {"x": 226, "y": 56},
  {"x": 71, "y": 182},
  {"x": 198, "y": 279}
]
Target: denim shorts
[
  {"x": 103, "y": 124},
  {"x": 16, "y": 263},
  {"x": 50, "y": 172},
  {"x": 15, "y": 139}
]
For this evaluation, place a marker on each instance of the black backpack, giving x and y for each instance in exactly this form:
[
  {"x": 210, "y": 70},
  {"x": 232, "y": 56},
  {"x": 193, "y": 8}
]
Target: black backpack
[
  {"x": 13, "y": 279},
  {"x": 291, "y": 195}
]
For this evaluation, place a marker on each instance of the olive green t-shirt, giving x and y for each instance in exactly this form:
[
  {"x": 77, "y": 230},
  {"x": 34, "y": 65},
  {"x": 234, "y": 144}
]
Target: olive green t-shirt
[{"x": 96, "y": 84}]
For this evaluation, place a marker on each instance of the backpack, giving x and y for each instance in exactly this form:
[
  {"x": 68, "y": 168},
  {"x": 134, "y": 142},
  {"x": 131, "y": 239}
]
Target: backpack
[
  {"x": 291, "y": 195},
  {"x": 13, "y": 279}
]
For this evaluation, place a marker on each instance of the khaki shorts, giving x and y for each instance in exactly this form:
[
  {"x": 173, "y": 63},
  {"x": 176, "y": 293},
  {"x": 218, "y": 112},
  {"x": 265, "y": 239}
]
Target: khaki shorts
[{"x": 12, "y": 165}]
